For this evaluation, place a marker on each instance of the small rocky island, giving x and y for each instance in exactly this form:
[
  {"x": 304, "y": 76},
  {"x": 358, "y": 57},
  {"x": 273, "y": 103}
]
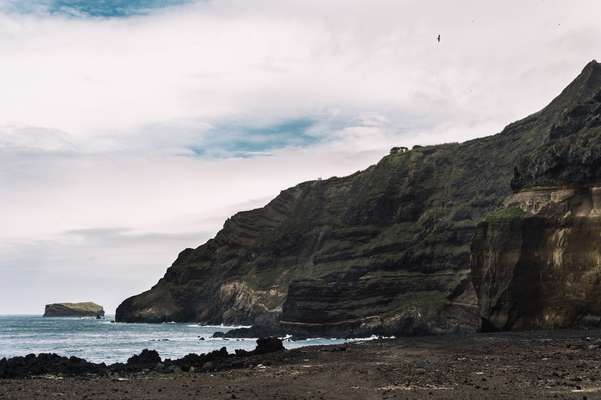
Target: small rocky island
[{"x": 87, "y": 309}]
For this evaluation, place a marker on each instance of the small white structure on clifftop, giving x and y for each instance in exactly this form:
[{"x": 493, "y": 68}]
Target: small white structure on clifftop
[{"x": 400, "y": 149}]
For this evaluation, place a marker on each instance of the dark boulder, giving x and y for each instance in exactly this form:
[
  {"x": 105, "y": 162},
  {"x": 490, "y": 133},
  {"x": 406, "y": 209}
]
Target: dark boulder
[
  {"x": 269, "y": 345},
  {"x": 214, "y": 360},
  {"x": 42, "y": 364},
  {"x": 147, "y": 359}
]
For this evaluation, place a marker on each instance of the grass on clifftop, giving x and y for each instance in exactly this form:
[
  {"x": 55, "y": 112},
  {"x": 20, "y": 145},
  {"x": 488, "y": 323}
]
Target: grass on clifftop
[{"x": 505, "y": 213}]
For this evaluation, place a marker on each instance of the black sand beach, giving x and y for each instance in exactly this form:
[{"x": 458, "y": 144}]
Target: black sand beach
[{"x": 529, "y": 365}]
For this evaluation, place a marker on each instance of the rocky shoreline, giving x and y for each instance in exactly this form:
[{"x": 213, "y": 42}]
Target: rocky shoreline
[
  {"x": 148, "y": 360},
  {"x": 520, "y": 365}
]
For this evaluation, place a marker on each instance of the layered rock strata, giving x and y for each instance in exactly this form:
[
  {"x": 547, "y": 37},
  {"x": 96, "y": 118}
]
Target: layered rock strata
[
  {"x": 385, "y": 250},
  {"x": 536, "y": 262}
]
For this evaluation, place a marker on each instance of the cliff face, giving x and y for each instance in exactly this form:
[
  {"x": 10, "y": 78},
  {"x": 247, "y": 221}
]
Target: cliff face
[
  {"x": 541, "y": 270},
  {"x": 537, "y": 262},
  {"x": 73, "y": 310},
  {"x": 386, "y": 250}
]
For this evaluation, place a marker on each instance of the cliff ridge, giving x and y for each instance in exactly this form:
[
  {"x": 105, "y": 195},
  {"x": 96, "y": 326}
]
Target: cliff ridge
[{"x": 387, "y": 250}]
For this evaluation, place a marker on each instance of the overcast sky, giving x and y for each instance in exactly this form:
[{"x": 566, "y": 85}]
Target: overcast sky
[{"x": 129, "y": 130}]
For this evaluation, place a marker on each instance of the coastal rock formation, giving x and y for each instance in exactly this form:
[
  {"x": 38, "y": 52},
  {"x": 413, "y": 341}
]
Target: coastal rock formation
[
  {"x": 383, "y": 251},
  {"x": 537, "y": 261},
  {"x": 53, "y": 364},
  {"x": 87, "y": 309}
]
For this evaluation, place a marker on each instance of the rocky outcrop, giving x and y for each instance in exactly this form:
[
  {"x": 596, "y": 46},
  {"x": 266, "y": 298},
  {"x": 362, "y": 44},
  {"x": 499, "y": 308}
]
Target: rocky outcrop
[
  {"x": 385, "y": 250},
  {"x": 537, "y": 261},
  {"x": 87, "y": 309},
  {"x": 148, "y": 360}
]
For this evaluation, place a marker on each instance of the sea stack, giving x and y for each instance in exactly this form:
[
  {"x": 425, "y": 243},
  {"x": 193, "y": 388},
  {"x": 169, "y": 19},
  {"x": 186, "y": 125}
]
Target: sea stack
[{"x": 87, "y": 309}]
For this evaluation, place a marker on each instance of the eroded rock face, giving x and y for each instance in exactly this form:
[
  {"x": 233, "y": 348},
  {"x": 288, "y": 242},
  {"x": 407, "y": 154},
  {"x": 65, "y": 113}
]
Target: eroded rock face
[
  {"x": 87, "y": 309},
  {"x": 391, "y": 242},
  {"x": 536, "y": 262},
  {"x": 570, "y": 155},
  {"x": 385, "y": 250},
  {"x": 382, "y": 303},
  {"x": 542, "y": 270}
]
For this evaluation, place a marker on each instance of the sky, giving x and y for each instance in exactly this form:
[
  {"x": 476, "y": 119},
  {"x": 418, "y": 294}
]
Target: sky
[{"x": 130, "y": 130}]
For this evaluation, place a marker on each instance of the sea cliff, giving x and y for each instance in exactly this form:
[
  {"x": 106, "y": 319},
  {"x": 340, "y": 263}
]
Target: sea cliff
[
  {"x": 537, "y": 261},
  {"x": 389, "y": 250}
]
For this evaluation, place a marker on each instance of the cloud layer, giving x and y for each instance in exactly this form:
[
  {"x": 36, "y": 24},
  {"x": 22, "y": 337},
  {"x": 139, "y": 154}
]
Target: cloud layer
[{"x": 127, "y": 135}]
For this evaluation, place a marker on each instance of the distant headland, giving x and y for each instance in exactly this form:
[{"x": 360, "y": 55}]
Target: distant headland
[{"x": 87, "y": 309}]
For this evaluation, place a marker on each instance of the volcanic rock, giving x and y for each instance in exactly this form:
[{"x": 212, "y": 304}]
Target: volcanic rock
[
  {"x": 145, "y": 360},
  {"x": 269, "y": 345},
  {"x": 537, "y": 261},
  {"x": 386, "y": 250},
  {"x": 87, "y": 309},
  {"x": 53, "y": 364},
  {"x": 42, "y": 364}
]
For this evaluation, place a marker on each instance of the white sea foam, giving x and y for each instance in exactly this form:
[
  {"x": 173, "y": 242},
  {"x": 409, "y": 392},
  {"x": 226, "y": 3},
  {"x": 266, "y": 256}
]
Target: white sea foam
[
  {"x": 104, "y": 341},
  {"x": 226, "y": 326}
]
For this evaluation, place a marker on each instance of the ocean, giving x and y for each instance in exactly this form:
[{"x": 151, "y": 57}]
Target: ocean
[{"x": 106, "y": 341}]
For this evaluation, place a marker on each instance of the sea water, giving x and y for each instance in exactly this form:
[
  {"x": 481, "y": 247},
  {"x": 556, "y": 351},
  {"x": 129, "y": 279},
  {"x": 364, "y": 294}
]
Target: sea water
[{"x": 103, "y": 340}]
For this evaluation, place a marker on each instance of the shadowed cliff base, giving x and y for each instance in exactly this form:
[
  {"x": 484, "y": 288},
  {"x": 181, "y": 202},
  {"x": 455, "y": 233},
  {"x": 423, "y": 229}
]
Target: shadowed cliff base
[{"x": 386, "y": 250}]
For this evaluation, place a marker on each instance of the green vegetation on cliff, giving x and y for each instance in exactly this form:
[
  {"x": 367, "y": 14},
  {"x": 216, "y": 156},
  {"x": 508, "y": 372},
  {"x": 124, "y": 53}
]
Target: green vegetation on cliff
[
  {"x": 505, "y": 214},
  {"x": 385, "y": 250}
]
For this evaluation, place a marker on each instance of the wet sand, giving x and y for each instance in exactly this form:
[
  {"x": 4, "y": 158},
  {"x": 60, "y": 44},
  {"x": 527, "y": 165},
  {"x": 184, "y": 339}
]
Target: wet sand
[{"x": 560, "y": 364}]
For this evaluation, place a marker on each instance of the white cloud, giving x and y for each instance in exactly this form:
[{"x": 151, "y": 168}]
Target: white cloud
[
  {"x": 34, "y": 139},
  {"x": 101, "y": 119},
  {"x": 266, "y": 60}
]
